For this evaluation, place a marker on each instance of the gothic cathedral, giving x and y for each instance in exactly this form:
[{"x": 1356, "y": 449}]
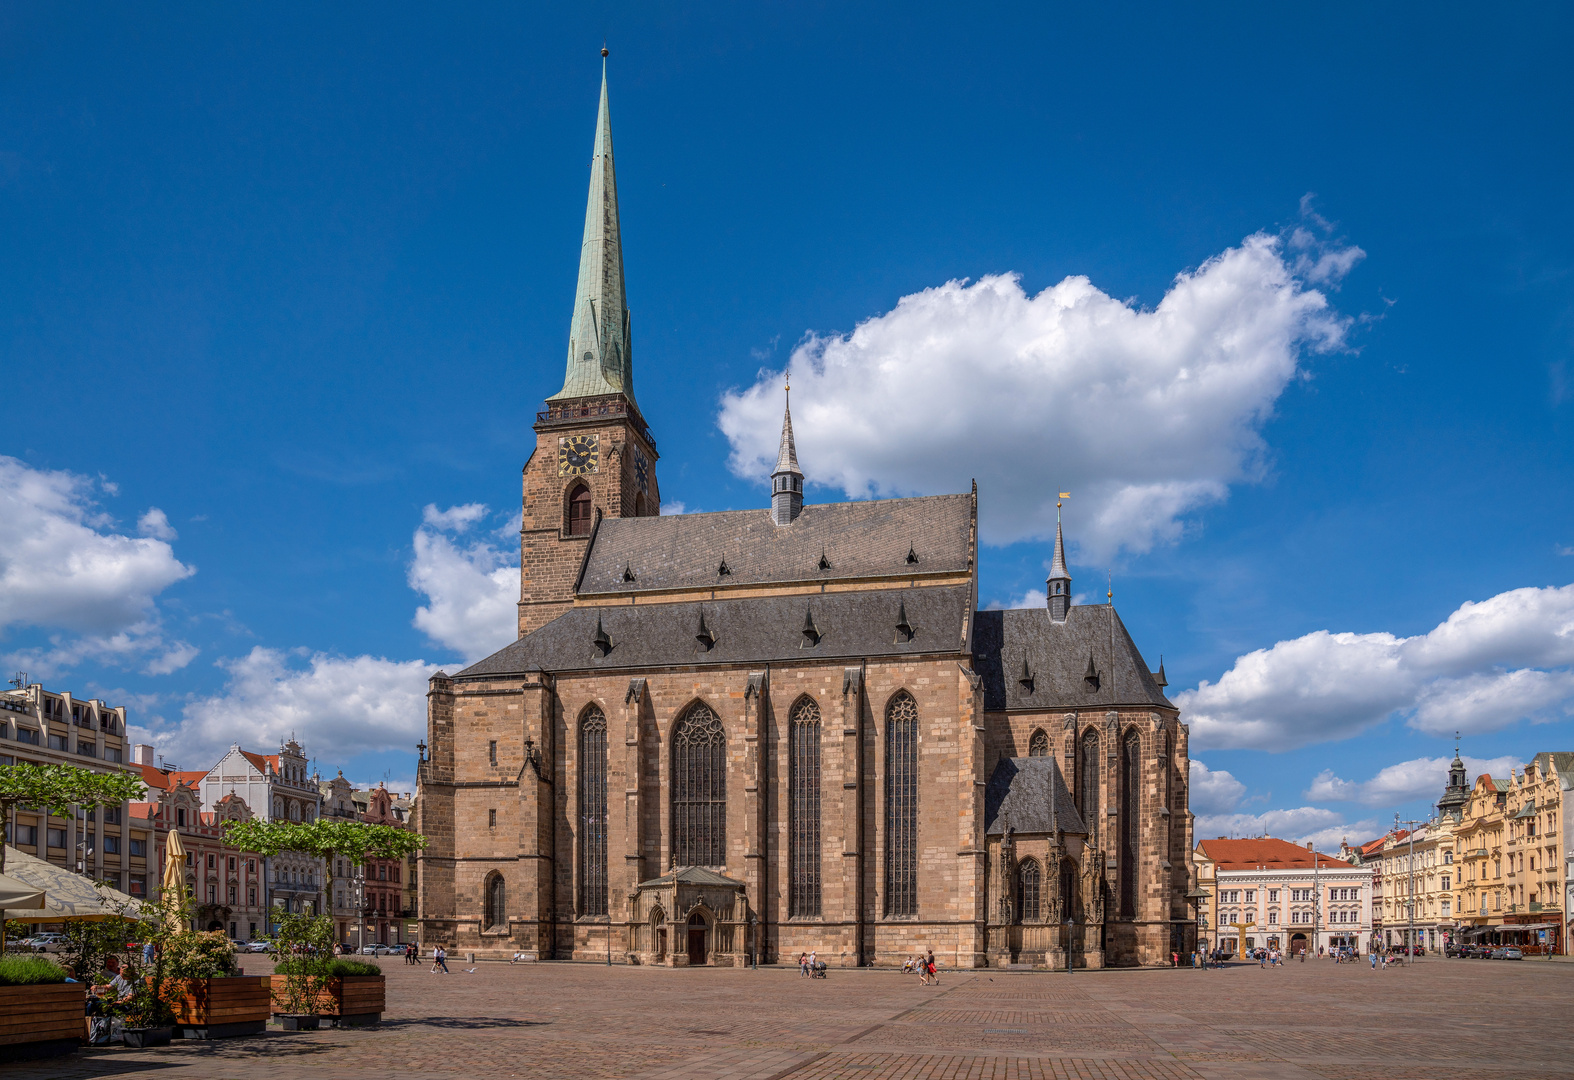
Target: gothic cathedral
[{"x": 744, "y": 735}]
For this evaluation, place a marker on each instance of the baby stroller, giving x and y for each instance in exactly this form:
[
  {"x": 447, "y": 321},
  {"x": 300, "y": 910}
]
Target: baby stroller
[{"x": 817, "y": 970}]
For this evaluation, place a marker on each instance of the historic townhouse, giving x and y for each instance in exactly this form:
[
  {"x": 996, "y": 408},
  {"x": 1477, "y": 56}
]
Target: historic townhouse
[
  {"x": 1478, "y": 847},
  {"x": 763, "y": 731},
  {"x": 1533, "y": 839},
  {"x": 1267, "y": 893},
  {"x": 1418, "y": 876},
  {"x": 48, "y": 728}
]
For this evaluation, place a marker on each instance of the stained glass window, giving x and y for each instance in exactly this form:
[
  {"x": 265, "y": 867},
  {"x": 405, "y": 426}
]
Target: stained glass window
[{"x": 699, "y": 789}]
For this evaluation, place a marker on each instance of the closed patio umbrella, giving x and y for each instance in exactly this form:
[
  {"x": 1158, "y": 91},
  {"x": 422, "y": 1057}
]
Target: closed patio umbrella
[{"x": 175, "y": 876}]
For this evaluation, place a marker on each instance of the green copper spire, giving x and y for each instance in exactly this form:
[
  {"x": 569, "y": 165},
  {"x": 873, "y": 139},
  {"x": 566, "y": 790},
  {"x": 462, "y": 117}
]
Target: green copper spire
[{"x": 600, "y": 359}]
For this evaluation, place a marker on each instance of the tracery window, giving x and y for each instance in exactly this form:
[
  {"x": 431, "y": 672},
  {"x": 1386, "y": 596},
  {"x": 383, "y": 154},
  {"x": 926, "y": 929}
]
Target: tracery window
[
  {"x": 699, "y": 789},
  {"x": 901, "y": 805},
  {"x": 496, "y": 903},
  {"x": 593, "y": 813},
  {"x": 1088, "y": 785},
  {"x": 579, "y": 511},
  {"x": 1028, "y": 891},
  {"x": 804, "y": 808},
  {"x": 1038, "y": 743},
  {"x": 1130, "y": 823}
]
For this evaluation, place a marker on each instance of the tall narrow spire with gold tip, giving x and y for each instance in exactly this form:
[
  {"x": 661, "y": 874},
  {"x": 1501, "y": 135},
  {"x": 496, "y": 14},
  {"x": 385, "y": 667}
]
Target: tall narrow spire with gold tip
[
  {"x": 787, "y": 479},
  {"x": 600, "y": 353},
  {"x": 1059, "y": 583}
]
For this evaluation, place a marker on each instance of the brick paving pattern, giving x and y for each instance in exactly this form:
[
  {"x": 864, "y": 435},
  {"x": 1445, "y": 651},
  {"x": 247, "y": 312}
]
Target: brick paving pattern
[{"x": 1312, "y": 1021}]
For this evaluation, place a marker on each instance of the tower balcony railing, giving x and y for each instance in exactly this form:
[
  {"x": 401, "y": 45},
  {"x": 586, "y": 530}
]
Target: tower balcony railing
[{"x": 590, "y": 408}]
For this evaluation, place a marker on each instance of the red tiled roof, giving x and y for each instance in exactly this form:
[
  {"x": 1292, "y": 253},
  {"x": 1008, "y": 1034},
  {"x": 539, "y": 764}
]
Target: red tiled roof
[
  {"x": 1273, "y": 854},
  {"x": 189, "y": 779},
  {"x": 261, "y": 761},
  {"x": 155, "y": 778}
]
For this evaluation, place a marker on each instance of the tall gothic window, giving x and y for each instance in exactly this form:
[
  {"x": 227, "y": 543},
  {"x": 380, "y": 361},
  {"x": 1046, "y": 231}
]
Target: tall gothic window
[
  {"x": 901, "y": 805},
  {"x": 1038, "y": 743},
  {"x": 1088, "y": 785},
  {"x": 579, "y": 511},
  {"x": 699, "y": 789},
  {"x": 804, "y": 808},
  {"x": 496, "y": 903},
  {"x": 593, "y": 813},
  {"x": 1029, "y": 891},
  {"x": 1130, "y": 820}
]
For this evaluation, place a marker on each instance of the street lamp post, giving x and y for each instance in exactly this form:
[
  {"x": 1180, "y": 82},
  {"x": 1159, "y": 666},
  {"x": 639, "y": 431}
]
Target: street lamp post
[
  {"x": 1410, "y": 899},
  {"x": 1071, "y": 934}
]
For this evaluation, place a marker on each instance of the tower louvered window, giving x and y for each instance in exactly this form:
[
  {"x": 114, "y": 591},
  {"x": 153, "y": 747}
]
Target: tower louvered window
[
  {"x": 1088, "y": 786},
  {"x": 1029, "y": 891},
  {"x": 804, "y": 808},
  {"x": 699, "y": 789},
  {"x": 1130, "y": 820},
  {"x": 1038, "y": 743},
  {"x": 901, "y": 805},
  {"x": 593, "y": 813}
]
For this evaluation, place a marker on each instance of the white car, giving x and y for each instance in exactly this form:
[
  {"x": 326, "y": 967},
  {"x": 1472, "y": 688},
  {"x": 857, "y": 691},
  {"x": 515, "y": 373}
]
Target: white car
[
  {"x": 50, "y": 942},
  {"x": 258, "y": 946},
  {"x": 378, "y": 949}
]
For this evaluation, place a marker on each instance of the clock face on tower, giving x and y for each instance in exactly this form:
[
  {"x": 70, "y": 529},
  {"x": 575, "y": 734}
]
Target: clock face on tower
[
  {"x": 577, "y": 455},
  {"x": 642, "y": 470}
]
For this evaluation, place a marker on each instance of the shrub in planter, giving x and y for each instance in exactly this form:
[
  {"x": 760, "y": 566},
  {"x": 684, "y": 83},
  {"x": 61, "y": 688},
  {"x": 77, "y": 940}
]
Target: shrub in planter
[
  {"x": 353, "y": 991},
  {"x": 30, "y": 970},
  {"x": 302, "y": 952}
]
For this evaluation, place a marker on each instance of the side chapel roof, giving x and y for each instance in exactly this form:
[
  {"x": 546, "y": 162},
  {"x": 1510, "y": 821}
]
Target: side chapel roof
[{"x": 1030, "y": 796}]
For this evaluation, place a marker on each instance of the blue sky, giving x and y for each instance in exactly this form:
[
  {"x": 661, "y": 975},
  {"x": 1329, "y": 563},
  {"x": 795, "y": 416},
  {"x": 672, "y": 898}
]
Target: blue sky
[{"x": 291, "y": 277}]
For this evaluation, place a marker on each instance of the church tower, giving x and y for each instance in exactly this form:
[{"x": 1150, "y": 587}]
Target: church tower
[{"x": 594, "y": 455}]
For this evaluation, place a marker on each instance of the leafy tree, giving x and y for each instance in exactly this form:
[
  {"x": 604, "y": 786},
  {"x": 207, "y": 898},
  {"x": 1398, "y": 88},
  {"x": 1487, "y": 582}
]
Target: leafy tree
[
  {"x": 56, "y": 788},
  {"x": 355, "y": 841}
]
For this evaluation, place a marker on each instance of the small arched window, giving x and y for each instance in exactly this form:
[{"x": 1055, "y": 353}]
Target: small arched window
[
  {"x": 1038, "y": 743},
  {"x": 579, "y": 511},
  {"x": 1029, "y": 891},
  {"x": 639, "y": 505},
  {"x": 496, "y": 903}
]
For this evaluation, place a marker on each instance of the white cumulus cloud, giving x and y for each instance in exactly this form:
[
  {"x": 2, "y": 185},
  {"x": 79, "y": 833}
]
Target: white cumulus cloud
[
  {"x": 1418, "y": 778},
  {"x": 1324, "y": 828},
  {"x": 1213, "y": 791},
  {"x": 471, "y": 583},
  {"x": 62, "y": 565},
  {"x": 336, "y": 706},
  {"x": 65, "y": 570},
  {"x": 1488, "y": 665},
  {"x": 1145, "y": 415}
]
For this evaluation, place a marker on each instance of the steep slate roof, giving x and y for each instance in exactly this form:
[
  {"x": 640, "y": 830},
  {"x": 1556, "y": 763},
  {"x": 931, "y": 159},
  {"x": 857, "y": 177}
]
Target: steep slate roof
[
  {"x": 867, "y": 539},
  {"x": 1057, "y": 658},
  {"x": 1029, "y": 795},
  {"x": 1267, "y": 852},
  {"x": 747, "y": 630}
]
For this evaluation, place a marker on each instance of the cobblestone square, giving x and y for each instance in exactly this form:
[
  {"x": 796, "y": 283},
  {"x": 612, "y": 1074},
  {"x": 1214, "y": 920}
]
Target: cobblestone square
[{"x": 1440, "y": 1020}]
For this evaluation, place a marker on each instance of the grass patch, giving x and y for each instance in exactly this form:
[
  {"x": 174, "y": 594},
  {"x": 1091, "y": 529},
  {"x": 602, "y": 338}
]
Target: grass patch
[{"x": 30, "y": 971}]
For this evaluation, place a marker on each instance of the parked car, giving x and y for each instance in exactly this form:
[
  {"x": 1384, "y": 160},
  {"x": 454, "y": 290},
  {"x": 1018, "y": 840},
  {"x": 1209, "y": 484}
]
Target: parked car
[
  {"x": 258, "y": 946},
  {"x": 1497, "y": 953},
  {"x": 379, "y": 949},
  {"x": 50, "y": 942},
  {"x": 1511, "y": 953}
]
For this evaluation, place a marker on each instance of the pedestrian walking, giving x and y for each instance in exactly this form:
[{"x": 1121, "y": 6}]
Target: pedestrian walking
[
  {"x": 929, "y": 966},
  {"x": 440, "y": 960}
]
